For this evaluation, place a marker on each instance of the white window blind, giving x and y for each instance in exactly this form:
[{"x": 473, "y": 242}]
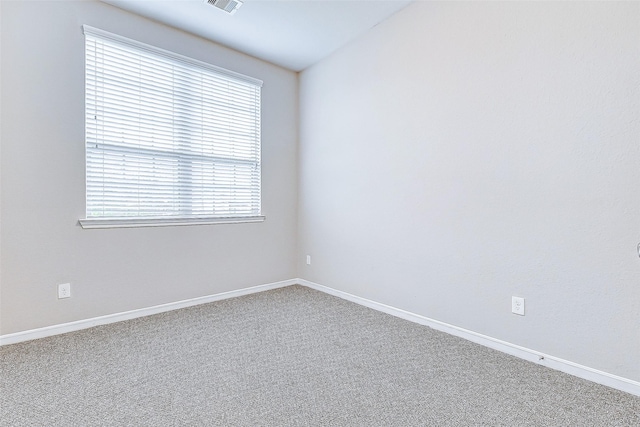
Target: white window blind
[{"x": 168, "y": 136}]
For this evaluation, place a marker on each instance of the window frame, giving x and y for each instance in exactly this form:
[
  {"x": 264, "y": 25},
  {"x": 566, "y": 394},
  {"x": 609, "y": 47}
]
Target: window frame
[{"x": 169, "y": 220}]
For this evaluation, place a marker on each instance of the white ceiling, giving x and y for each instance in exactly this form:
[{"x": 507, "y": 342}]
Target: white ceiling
[{"x": 291, "y": 33}]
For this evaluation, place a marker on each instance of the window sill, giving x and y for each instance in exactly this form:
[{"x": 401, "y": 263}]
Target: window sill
[{"x": 90, "y": 223}]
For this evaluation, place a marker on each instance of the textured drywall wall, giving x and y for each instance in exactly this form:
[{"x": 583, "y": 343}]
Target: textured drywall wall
[
  {"x": 464, "y": 152},
  {"x": 42, "y": 176},
  {"x": 1, "y": 157}
]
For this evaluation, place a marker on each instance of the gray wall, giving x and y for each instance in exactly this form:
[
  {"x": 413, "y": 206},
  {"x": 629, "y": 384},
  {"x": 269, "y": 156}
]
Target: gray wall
[
  {"x": 0, "y": 167},
  {"x": 42, "y": 175},
  {"x": 454, "y": 156},
  {"x": 464, "y": 152}
]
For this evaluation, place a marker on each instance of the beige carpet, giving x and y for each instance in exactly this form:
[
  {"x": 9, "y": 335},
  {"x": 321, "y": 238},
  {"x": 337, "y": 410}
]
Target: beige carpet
[{"x": 288, "y": 357}]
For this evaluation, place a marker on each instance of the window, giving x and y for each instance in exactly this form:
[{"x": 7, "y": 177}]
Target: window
[{"x": 169, "y": 140}]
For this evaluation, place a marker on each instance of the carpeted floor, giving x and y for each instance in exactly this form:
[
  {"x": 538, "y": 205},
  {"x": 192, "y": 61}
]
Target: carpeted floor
[{"x": 288, "y": 357}]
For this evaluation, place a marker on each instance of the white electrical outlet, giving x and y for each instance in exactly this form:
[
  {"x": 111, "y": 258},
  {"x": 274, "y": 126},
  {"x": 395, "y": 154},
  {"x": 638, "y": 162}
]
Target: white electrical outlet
[
  {"x": 308, "y": 259},
  {"x": 517, "y": 305},
  {"x": 64, "y": 290}
]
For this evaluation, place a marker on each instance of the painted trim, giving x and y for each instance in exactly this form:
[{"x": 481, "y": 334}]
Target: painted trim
[
  {"x": 63, "y": 328},
  {"x": 92, "y": 223},
  {"x": 566, "y": 366}
]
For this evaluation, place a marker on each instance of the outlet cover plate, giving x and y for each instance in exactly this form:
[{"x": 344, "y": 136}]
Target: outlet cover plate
[
  {"x": 64, "y": 290},
  {"x": 517, "y": 305}
]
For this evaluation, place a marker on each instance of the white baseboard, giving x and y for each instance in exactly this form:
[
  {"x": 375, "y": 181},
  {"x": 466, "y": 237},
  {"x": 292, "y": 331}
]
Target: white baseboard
[
  {"x": 585, "y": 372},
  {"x": 566, "y": 366},
  {"x": 48, "y": 331}
]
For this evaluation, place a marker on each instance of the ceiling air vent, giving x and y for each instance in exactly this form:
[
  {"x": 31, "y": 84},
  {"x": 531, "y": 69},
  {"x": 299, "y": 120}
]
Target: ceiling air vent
[{"x": 229, "y": 6}]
